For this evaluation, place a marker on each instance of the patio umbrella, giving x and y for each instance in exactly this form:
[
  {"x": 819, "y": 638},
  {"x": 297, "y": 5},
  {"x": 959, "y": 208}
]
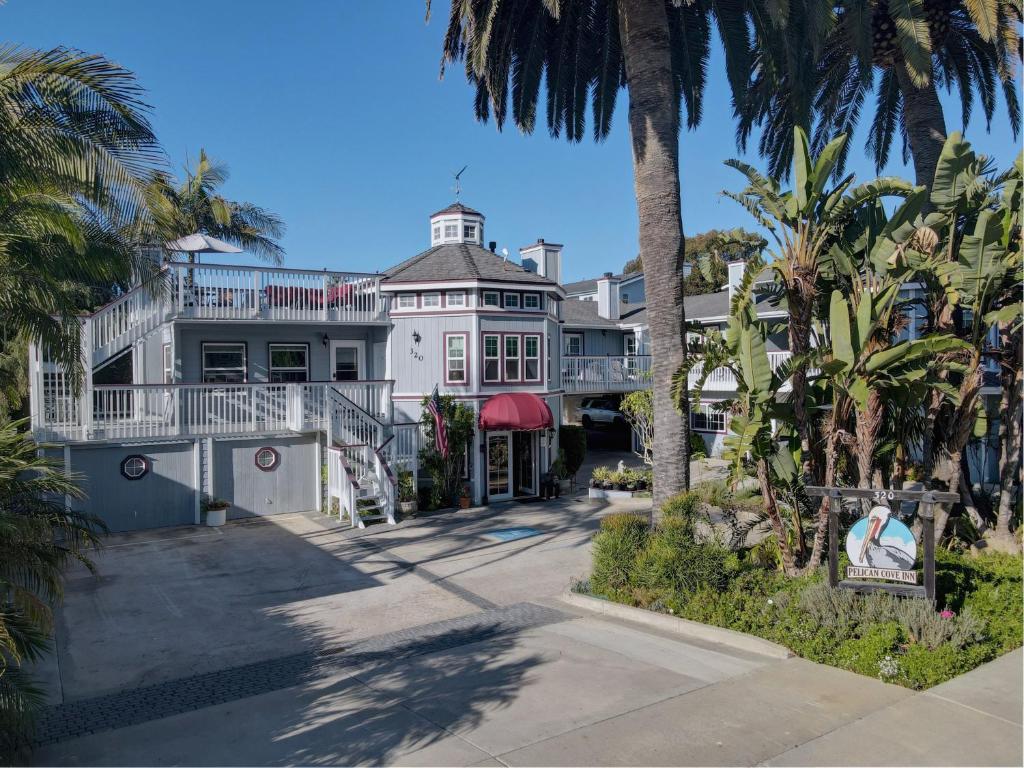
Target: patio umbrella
[{"x": 200, "y": 243}]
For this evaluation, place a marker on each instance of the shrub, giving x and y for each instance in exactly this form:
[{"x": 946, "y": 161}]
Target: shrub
[
  {"x": 927, "y": 627},
  {"x": 616, "y": 546},
  {"x": 675, "y": 560},
  {"x": 573, "y": 440},
  {"x": 684, "y": 505},
  {"x": 698, "y": 448},
  {"x": 601, "y": 475}
]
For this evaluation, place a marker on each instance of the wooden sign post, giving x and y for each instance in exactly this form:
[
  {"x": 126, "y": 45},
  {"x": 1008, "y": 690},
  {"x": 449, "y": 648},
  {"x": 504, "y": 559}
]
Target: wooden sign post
[{"x": 925, "y": 500}]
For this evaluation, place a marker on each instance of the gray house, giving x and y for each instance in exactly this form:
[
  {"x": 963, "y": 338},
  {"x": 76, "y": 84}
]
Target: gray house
[{"x": 282, "y": 390}]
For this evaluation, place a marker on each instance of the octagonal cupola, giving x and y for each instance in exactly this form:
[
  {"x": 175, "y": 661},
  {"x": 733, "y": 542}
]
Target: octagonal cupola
[{"x": 457, "y": 223}]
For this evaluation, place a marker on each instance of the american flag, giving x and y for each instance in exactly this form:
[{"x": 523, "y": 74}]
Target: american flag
[{"x": 440, "y": 431}]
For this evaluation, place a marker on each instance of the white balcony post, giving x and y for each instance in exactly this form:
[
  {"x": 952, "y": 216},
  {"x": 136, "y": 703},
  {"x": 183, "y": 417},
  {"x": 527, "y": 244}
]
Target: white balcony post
[
  {"x": 86, "y": 415},
  {"x": 254, "y": 297},
  {"x": 176, "y": 393},
  {"x": 323, "y": 297}
]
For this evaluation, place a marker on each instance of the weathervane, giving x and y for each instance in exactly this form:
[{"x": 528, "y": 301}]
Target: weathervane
[{"x": 458, "y": 182}]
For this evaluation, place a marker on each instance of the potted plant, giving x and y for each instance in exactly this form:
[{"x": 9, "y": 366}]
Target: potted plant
[
  {"x": 407, "y": 496},
  {"x": 464, "y": 499},
  {"x": 630, "y": 479},
  {"x": 620, "y": 480},
  {"x": 598, "y": 477},
  {"x": 216, "y": 511}
]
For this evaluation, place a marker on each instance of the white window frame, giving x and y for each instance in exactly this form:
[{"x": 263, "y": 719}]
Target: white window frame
[
  {"x": 435, "y": 295},
  {"x": 497, "y": 299},
  {"x": 168, "y": 362},
  {"x": 527, "y": 296},
  {"x": 455, "y": 298},
  {"x": 704, "y": 410},
  {"x": 495, "y": 358},
  {"x": 448, "y": 359},
  {"x": 436, "y": 232},
  {"x": 527, "y": 358},
  {"x": 454, "y": 231},
  {"x": 506, "y": 358},
  {"x": 566, "y": 337},
  {"x": 245, "y": 361},
  {"x": 508, "y": 303},
  {"x": 271, "y": 369},
  {"x": 406, "y": 297},
  {"x": 469, "y": 231}
]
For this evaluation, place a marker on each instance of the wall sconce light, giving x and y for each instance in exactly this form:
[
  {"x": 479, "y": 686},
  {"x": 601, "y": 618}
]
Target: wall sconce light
[
  {"x": 324, "y": 340},
  {"x": 416, "y": 337}
]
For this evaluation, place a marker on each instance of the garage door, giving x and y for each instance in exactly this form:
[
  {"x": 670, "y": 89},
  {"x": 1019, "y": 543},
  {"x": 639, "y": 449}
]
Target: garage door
[
  {"x": 131, "y": 488},
  {"x": 266, "y": 477}
]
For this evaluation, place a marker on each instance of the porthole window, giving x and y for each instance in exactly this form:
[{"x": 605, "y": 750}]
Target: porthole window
[
  {"x": 135, "y": 467},
  {"x": 267, "y": 459}
]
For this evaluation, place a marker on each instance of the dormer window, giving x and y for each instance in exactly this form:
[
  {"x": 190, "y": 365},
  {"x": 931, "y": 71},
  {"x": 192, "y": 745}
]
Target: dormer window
[
  {"x": 451, "y": 231},
  {"x": 469, "y": 232},
  {"x": 437, "y": 234}
]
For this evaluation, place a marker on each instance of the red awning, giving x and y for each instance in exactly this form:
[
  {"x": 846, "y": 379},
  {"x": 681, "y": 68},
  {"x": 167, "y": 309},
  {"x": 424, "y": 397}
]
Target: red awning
[{"x": 515, "y": 410}]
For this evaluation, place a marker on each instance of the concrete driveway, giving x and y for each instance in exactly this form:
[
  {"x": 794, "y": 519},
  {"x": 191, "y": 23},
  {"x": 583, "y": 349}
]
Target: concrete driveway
[{"x": 290, "y": 641}]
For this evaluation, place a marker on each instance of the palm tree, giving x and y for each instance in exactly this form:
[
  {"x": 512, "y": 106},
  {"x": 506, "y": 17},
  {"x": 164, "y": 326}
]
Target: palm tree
[
  {"x": 39, "y": 538},
  {"x": 901, "y": 51},
  {"x": 587, "y": 50},
  {"x": 75, "y": 146},
  {"x": 194, "y": 205}
]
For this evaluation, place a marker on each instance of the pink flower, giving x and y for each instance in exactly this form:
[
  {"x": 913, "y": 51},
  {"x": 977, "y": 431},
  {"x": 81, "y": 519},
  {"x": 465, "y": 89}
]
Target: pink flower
[{"x": 947, "y": 614}]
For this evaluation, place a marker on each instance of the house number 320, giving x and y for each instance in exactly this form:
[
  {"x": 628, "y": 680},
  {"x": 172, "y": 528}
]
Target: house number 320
[{"x": 415, "y": 354}]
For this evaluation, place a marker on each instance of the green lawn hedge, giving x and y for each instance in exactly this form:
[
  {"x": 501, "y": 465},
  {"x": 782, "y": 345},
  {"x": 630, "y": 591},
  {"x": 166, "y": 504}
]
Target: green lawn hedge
[{"x": 670, "y": 568}]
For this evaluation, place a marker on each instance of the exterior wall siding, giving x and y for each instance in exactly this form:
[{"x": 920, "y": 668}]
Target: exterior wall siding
[
  {"x": 165, "y": 496},
  {"x": 291, "y": 486},
  {"x": 257, "y": 338}
]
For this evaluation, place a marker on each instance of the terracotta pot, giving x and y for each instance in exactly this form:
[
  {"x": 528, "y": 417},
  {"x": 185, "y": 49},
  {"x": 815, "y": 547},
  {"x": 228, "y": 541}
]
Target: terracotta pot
[{"x": 464, "y": 502}]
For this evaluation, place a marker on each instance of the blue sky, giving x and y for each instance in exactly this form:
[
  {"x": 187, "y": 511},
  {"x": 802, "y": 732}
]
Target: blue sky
[{"x": 332, "y": 115}]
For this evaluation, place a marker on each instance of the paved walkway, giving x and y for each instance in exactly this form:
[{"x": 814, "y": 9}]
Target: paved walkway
[{"x": 432, "y": 644}]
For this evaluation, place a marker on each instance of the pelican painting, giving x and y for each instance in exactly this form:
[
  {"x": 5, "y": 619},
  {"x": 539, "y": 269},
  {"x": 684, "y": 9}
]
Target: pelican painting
[{"x": 878, "y": 541}]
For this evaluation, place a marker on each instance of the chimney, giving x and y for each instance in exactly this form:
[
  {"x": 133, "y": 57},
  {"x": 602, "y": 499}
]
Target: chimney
[
  {"x": 543, "y": 258},
  {"x": 736, "y": 270},
  {"x": 608, "y": 296},
  {"x": 492, "y": 245}
]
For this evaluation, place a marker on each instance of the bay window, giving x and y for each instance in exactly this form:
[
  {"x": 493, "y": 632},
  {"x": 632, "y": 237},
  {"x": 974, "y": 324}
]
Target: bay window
[
  {"x": 492, "y": 358},
  {"x": 512, "y": 359},
  {"x": 531, "y": 358}
]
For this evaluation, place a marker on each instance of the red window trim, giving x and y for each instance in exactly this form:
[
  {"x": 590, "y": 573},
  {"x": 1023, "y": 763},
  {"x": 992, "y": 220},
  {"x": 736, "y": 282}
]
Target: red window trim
[
  {"x": 521, "y": 335},
  {"x": 444, "y": 353}
]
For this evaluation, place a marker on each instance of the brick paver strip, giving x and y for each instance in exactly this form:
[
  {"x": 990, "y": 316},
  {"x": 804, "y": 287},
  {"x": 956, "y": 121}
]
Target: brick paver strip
[{"x": 140, "y": 705}]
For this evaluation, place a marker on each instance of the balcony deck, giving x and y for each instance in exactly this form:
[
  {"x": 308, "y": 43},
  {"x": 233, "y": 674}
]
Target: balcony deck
[
  {"x": 151, "y": 411},
  {"x": 218, "y": 292},
  {"x": 599, "y": 374}
]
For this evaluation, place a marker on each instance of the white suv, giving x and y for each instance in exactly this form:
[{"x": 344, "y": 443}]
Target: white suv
[{"x": 600, "y": 410}]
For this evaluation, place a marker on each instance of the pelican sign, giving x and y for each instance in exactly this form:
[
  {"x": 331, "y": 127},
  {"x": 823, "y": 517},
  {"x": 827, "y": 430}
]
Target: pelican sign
[{"x": 881, "y": 547}]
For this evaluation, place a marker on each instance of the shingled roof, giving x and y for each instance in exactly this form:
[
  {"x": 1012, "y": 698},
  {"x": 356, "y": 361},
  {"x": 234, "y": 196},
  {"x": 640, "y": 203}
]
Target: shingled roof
[
  {"x": 461, "y": 261},
  {"x": 457, "y": 208},
  {"x": 698, "y": 307}
]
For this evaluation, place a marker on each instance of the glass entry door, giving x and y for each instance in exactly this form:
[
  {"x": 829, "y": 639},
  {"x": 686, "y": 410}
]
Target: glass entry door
[
  {"x": 499, "y": 475},
  {"x": 347, "y": 361},
  {"x": 522, "y": 451}
]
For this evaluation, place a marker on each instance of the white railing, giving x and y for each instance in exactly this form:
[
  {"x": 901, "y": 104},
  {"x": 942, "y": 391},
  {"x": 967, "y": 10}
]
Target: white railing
[
  {"x": 219, "y": 292},
  {"x": 341, "y": 486},
  {"x": 723, "y": 379},
  {"x": 606, "y": 373},
  {"x": 170, "y": 410},
  {"x": 625, "y": 373},
  {"x": 116, "y": 325},
  {"x": 373, "y": 396}
]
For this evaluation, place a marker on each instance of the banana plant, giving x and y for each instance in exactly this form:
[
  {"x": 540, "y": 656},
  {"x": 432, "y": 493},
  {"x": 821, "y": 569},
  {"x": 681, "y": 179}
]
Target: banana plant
[
  {"x": 760, "y": 413},
  {"x": 805, "y": 224},
  {"x": 973, "y": 287}
]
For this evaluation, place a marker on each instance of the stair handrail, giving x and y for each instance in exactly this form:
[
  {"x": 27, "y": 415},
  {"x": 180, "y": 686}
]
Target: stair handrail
[{"x": 144, "y": 287}]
